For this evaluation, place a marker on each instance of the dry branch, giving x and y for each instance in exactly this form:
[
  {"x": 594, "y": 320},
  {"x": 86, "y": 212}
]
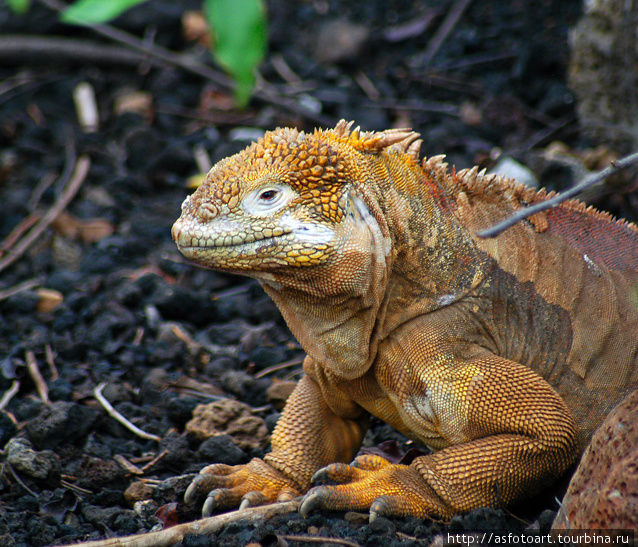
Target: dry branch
[
  {"x": 588, "y": 181},
  {"x": 9, "y": 394},
  {"x": 110, "y": 410},
  {"x": 36, "y": 376},
  {"x": 205, "y": 526}
]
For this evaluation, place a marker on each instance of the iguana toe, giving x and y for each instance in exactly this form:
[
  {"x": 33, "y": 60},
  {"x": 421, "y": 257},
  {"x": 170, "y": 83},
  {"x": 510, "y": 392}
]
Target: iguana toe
[
  {"x": 387, "y": 489},
  {"x": 335, "y": 473},
  {"x": 252, "y": 499},
  {"x": 314, "y": 499},
  {"x": 370, "y": 462},
  {"x": 254, "y": 483}
]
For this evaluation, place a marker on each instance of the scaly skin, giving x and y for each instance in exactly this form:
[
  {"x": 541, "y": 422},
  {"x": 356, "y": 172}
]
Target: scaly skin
[{"x": 502, "y": 355}]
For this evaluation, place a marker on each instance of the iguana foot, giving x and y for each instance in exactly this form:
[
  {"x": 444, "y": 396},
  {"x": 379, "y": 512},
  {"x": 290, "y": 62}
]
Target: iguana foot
[
  {"x": 373, "y": 483},
  {"x": 226, "y": 486}
]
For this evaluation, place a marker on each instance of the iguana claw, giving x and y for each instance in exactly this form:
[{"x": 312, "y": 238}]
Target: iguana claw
[{"x": 225, "y": 486}]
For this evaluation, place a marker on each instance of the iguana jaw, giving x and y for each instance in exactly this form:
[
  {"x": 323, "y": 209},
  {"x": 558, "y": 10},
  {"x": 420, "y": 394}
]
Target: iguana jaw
[{"x": 234, "y": 245}]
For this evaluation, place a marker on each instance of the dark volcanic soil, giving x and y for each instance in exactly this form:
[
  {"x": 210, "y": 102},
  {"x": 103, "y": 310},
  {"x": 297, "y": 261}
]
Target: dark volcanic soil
[{"x": 102, "y": 296}]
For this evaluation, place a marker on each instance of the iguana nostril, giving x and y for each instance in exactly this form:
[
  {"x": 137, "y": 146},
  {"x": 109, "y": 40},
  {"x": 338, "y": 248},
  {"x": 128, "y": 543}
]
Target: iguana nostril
[{"x": 207, "y": 211}]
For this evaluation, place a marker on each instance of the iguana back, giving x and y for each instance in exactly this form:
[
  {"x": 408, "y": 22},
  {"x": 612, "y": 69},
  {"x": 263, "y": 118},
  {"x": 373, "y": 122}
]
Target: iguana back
[{"x": 578, "y": 265}]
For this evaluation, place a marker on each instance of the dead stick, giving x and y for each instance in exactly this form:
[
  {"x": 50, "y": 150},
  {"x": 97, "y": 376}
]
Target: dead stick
[
  {"x": 205, "y": 526},
  {"x": 17, "y": 232},
  {"x": 51, "y": 362},
  {"x": 20, "y": 287},
  {"x": 448, "y": 24},
  {"x": 320, "y": 539},
  {"x": 8, "y": 395},
  {"x": 157, "y": 458},
  {"x": 110, "y": 410},
  {"x": 78, "y": 176},
  {"x": 280, "y": 366},
  {"x": 588, "y": 181},
  {"x": 36, "y": 376},
  {"x": 18, "y": 49}
]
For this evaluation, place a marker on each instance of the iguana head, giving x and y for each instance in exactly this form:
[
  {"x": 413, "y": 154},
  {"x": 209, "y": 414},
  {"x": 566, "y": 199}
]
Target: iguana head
[{"x": 287, "y": 203}]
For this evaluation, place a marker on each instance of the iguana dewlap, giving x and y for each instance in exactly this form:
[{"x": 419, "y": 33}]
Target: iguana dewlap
[{"x": 501, "y": 355}]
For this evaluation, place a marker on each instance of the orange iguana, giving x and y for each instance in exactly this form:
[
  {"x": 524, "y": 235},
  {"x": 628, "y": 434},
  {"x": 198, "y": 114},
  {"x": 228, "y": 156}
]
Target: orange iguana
[{"x": 501, "y": 355}]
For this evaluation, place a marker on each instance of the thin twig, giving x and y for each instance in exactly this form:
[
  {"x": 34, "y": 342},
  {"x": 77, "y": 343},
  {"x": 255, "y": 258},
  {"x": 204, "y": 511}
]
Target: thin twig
[
  {"x": 18, "y": 231},
  {"x": 20, "y": 49},
  {"x": 156, "y": 459},
  {"x": 36, "y": 376},
  {"x": 20, "y": 287},
  {"x": 280, "y": 366},
  {"x": 448, "y": 24},
  {"x": 51, "y": 362},
  {"x": 127, "y": 465},
  {"x": 75, "y": 487},
  {"x": 18, "y": 479},
  {"x": 588, "y": 181},
  {"x": 79, "y": 174},
  {"x": 97, "y": 393},
  {"x": 319, "y": 539},
  {"x": 205, "y": 526},
  {"x": 8, "y": 395}
]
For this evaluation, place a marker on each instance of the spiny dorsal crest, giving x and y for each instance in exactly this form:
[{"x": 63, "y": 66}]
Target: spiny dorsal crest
[
  {"x": 497, "y": 189},
  {"x": 401, "y": 139}
]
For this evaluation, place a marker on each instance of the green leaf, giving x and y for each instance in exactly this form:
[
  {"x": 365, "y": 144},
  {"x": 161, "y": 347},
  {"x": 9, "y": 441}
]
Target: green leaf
[
  {"x": 19, "y": 6},
  {"x": 94, "y": 12},
  {"x": 239, "y": 40}
]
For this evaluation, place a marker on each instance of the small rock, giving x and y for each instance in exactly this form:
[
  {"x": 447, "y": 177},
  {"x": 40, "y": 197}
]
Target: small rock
[
  {"x": 222, "y": 449},
  {"x": 510, "y": 168},
  {"x": 94, "y": 472},
  {"x": 227, "y": 333},
  {"x": 267, "y": 356},
  {"x": 60, "y": 422},
  {"x": 383, "y": 525},
  {"x": 136, "y": 492},
  {"x": 43, "y": 465},
  {"x": 145, "y": 509},
  {"x": 126, "y": 522},
  {"x": 178, "y": 451},
  {"x": 138, "y": 102},
  {"x": 231, "y": 417}
]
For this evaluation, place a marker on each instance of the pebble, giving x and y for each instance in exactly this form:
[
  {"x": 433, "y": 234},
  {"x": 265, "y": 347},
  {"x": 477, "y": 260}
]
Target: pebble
[
  {"x": 222, "y": 449},
  {"x": 42, "y": 465},
  {"x": 59, "y": 422}
]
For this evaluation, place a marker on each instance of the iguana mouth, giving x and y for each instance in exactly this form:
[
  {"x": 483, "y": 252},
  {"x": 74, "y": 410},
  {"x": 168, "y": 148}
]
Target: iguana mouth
[{"x": 197, "y": 239}]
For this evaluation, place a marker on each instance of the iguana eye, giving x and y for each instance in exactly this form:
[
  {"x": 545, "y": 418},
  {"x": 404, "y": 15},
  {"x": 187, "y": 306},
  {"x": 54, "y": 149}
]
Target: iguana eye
[
  {"x": 268, "y": 199},
  {"x": 268, "y": 195}
]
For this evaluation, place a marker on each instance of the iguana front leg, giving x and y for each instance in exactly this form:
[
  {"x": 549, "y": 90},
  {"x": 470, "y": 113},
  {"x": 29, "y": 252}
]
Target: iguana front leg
[
  {"x": 507, "y": 432},
  {"x": 308, "y": 436}
]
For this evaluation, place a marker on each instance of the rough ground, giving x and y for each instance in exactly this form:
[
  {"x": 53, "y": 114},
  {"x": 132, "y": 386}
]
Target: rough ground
[{"x": 102, "y": 296}]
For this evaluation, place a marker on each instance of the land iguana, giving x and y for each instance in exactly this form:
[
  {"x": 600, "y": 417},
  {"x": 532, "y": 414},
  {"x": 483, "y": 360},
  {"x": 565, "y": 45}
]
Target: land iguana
[{"x": 500, "y": 355}]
